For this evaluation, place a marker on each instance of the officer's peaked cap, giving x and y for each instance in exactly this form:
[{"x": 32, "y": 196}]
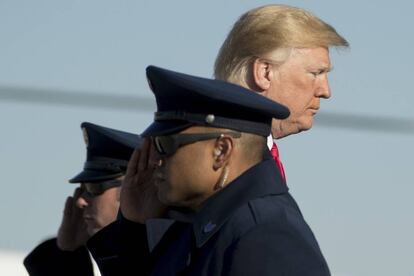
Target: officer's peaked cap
[
  {"x": 108, "y": 153},
  {"x": 184, "y": 100}
]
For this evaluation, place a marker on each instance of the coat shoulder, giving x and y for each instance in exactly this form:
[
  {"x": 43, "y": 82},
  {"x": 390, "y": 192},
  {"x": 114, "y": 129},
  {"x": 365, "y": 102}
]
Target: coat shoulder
[
  {"x": 278, "y": 210},
  {"x": 275, "y": 219},
  {"x": 274, "y": 229}
]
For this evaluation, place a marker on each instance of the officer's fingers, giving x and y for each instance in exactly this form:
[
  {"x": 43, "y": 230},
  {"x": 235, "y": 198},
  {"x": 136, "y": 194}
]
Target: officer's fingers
[
  {"x": 132, "y": 163},
  {"x": 68, "y": 206},
  {"x": 78, "y": 208},
  {"x": 143, "y": 160},
  {"x": 76, "y": 194},
  {"x": 154, "y": 158}
]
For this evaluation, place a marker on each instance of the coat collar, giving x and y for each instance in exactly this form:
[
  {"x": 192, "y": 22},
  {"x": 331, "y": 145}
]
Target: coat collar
[{"x": 261, "y": 180}]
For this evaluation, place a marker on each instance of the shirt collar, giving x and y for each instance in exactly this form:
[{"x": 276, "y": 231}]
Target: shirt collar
[
  {"x": 181, "y": 214},
  {"x": 270, "y": 141}
]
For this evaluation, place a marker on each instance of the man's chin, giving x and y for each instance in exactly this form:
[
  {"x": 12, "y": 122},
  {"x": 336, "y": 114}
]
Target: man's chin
[
  {"x": 305, "y": 124},
  {"x": 92, "y": 230},
  {"x": 288, "y": 127},
  {"x": 168, "y": 199},
  {"x": 293, "y": 129},
  {"x": 162, "y": 197}
]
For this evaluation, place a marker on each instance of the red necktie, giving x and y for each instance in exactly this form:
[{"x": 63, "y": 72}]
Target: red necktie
[{"x": 275, "y": 154}]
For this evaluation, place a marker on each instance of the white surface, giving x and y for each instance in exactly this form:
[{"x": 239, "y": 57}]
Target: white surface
[{"x": 11, "y": 263}]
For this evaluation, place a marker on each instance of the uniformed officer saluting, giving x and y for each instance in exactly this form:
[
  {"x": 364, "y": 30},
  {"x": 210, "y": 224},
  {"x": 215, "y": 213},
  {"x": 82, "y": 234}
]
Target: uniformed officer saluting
[
  {"x": 214, "y": 176},
  {"x": 94, "y": 204}
]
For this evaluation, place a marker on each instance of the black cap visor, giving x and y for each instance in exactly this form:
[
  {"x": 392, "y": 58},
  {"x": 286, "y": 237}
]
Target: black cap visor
[
  {"x": 159, "y": 128},
  {"x": 94, "y": 175}
]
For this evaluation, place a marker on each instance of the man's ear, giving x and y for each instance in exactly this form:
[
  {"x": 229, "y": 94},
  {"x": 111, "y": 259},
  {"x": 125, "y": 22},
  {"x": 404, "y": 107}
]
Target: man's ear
[
  {"x": 262, "y": 74},
  {"x": 223, "y": 149}
]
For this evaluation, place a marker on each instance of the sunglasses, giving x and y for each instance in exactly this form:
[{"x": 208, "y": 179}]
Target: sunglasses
[
  {"x": 168, "y": 145},
  {"x": 98, "y": 188}
]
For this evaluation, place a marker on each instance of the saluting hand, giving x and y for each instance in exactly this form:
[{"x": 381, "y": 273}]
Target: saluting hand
[
  {"x": 139, "y": 200},
  {"x": 72, "y": 232}
]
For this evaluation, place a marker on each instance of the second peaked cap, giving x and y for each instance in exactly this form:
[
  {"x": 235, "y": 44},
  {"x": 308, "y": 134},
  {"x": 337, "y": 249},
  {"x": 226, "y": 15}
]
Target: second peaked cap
[{"x": 108, "y": 151}]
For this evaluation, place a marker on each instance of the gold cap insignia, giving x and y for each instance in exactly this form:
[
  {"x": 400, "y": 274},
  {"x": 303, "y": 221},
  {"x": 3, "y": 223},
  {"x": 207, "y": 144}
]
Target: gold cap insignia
[{"x": 85, "y": 136}]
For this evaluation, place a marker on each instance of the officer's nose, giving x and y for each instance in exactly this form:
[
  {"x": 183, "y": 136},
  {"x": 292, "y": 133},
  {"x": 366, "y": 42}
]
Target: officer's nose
[{"x": 81, "y": 201}]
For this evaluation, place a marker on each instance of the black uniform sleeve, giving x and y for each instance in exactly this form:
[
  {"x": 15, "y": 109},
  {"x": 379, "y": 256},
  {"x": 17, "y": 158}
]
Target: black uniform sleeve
[
  {"x": 121, "y": 248},
  {"x": 47, "y": 259},
  {"x": 272, "y": 249}
]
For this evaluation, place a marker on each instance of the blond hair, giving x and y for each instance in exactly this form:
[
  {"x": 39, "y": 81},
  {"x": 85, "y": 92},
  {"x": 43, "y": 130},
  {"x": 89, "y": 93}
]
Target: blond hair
[{"x": 265, "y": 29}]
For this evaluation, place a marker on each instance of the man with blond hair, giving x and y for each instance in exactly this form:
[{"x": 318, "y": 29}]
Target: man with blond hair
[{"x": 281, "y": 52}]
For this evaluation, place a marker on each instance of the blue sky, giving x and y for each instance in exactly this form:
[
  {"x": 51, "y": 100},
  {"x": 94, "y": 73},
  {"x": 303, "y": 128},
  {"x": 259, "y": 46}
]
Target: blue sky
[{"x": 354, "y": 187}]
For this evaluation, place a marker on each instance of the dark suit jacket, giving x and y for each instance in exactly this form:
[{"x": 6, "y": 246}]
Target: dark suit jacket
[
  {"x": 47, "y": 260},
  {"x": 251, "y": 227}
]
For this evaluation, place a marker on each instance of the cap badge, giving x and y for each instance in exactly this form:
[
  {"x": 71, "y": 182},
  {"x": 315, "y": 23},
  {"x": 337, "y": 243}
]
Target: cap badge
[
  {"x": 210, "y": 119},
  {"x": 85, "y": 136}
]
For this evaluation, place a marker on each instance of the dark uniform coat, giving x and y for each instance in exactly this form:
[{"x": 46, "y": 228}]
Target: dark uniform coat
[
  {"x": 48, "y": 260},
  {"x": 251, "y": 227}
]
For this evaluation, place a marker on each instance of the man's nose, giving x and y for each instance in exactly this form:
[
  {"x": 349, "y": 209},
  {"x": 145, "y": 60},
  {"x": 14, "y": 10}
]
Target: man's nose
[
  {"x": 81, "y": 202},
  {"x": 323, "y": 89}
]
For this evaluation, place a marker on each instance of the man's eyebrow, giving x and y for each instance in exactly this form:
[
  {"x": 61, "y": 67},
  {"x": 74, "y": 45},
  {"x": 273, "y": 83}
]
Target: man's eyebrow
[
  {"x": 329, "y": 68},
  {"x": 324, "y": 68}
]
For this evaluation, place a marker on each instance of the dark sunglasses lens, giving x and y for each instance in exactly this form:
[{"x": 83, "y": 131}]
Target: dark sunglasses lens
[
  {"x": 94, "y": 189},
  {"x": 165, "y": 145},
  {"x": 158, "y": 145}
]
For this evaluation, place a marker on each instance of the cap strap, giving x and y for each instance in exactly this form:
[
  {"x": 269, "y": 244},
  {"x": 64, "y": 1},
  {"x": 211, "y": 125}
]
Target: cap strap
[
  {"x": 106, "y": 164},
  {"x": 260, "y": 128}
]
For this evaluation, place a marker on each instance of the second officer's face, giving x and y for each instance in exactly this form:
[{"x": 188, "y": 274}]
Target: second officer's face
[
  {"x": 98, "y": 210},
  {"x": 186, "y": 178}
]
